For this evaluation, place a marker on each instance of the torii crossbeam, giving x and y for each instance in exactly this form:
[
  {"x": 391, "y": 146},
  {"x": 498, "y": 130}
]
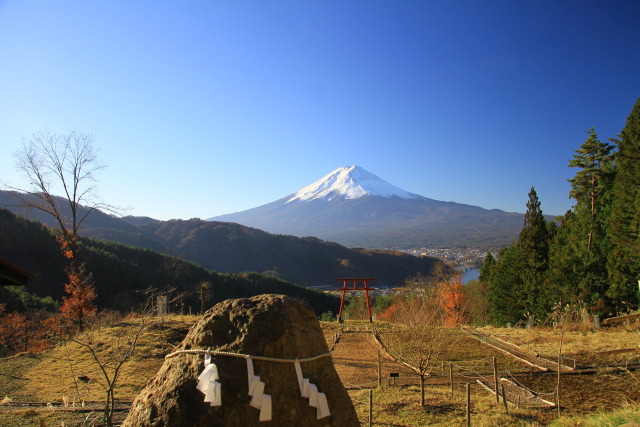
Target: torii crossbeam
[{"x": 365, "y": 288}]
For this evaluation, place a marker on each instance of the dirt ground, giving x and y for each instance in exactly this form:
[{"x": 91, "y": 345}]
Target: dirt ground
[
  {"x": 599, "y": 387},
  {"x": 595, "y": 389},
  {"x": 589, "y": 393}
]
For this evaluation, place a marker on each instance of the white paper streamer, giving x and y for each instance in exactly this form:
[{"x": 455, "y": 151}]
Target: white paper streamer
[
  {"x": 255, "y": 380},
  {"x": 296, "y": 364},
  {"x": 209, "y": 373},
  {"x": 213, "y": 394},
  {"x": 208, "y": 384},
  {"x": 249, "y": 371},
  {"x": 310, "y": 391},
  {"x": 258, "y": 391},
  {"x": 265, "y": 408},
  {"x": 313, "y": 395},
  {"x": 323, "y": 406}
]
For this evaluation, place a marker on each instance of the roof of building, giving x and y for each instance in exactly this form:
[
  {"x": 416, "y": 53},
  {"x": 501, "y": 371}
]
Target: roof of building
[{"x": 13, "y": 275}]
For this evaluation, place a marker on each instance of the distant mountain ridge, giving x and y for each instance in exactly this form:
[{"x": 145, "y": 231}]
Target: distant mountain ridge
[
  {"x": 354, "y": 207},
  {"x": 233, "y": 248},
  {"x": 123, "y": 274}
]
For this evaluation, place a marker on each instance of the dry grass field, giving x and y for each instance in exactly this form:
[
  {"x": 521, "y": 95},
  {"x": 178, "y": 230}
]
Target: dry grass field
[
  {"x": 586, "y": 347},
  {"x": 69, "y": 373}
]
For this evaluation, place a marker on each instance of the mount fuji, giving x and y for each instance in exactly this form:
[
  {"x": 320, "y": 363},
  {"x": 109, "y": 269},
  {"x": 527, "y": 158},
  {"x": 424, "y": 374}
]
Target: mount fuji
[{"x": 354, "y": 207}]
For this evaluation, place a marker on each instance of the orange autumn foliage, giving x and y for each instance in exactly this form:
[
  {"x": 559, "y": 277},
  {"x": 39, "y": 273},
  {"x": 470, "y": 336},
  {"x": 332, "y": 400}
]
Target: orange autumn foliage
[
  {"x": 21, "y": 333},
  {"x": 67, "y": 245},
  {"x": 390, "y": 313},
  {"x": 78, "y": 306},
  {"x": 452, "y": 302},
  {"x": 12, "y": 331}
]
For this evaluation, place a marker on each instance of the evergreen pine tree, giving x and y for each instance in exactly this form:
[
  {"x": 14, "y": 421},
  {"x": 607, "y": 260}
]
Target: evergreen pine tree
[
  {"x": 565, "y": 268},
  {"x": 585, "y": 239},
  {"x": 533, "y": 251},
  {"x": 623, "y": 263},
  {"x": 487, "y": 268},
  {"x": 504, "y": 294}
]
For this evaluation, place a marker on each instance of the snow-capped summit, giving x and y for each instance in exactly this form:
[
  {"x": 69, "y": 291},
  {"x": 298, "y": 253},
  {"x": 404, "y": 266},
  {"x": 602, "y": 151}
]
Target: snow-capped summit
[
  {"x": 354, "y": 207},
  {"x": 350, "y": 182}
]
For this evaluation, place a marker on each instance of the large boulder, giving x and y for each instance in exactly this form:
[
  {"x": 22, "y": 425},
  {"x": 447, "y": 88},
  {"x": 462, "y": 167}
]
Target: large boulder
[{"x": 274, "y": 326}]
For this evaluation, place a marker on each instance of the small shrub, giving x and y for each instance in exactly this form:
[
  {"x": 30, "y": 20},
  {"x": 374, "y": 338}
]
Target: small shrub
[{"x": 327, "y": 316}]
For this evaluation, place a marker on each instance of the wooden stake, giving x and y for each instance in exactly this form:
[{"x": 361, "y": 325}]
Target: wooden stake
[
  {"x": 451, "y": 377},
  {"x": 495, "y": 378},
  {"x": 504, "y": 400},
  {"x": 379, "y": 371},
  {"x": 370, "y": 406},
  {"x": 468, "y": 386}
]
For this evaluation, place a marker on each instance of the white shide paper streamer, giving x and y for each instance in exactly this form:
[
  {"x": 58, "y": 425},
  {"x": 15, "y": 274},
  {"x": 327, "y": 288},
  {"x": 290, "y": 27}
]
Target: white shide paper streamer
[
  {"x": 310, "y": 391},
  {"x": 208, "y": 384}
]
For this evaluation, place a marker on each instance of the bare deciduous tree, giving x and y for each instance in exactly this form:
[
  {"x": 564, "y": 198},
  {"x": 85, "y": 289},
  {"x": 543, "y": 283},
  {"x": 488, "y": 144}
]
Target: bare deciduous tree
[
  {"x": 418, "y": 336},
  {"x": 112, "y": 363},
  {"x": 563, "y": 318},
  {"x": 67, "y": 164}
]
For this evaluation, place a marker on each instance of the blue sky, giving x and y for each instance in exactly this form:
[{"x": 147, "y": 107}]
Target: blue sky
[{"x": 202, "y": 108}]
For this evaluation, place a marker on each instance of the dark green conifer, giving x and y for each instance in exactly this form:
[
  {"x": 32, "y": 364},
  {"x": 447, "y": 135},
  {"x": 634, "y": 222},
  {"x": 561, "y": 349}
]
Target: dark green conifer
[
  {"x": 584, "y": 231},
  {"x": 624, "y": 257},
  {"x": 505, "y": 294},
  {"x": 565, "y": 269},
  {"x": 533, "y": 251},
  {"x": 487, "y": 267}
]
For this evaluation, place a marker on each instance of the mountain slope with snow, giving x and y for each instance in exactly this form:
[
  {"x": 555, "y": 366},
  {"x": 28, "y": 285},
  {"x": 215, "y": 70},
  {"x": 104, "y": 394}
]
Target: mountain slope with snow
[
  {"x": 350, "y": 182},
  {"x": 356, "y": 208}
]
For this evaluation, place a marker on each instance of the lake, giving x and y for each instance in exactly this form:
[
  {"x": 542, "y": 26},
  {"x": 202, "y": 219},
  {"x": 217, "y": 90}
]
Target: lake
[{"x": 470, "y": 275}]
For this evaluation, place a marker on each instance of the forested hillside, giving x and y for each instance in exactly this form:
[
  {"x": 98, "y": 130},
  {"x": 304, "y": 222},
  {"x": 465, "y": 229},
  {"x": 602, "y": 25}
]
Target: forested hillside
[
  {"x": 121, "y": 273},
  {"x": 233, "y": 248},
  {"x": 591, "y": 260}
]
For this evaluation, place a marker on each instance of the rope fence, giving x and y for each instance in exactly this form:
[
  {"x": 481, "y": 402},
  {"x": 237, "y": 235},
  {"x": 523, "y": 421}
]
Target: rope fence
[{"x": 246, "y": 356}]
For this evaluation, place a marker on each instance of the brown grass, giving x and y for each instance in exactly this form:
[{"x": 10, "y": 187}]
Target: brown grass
[
  {"x": 57, "y": 372},
  {"x": 400, "y": 406},
  {"x": 586, "y": 347},
  {"x": 48, "y": 377}
]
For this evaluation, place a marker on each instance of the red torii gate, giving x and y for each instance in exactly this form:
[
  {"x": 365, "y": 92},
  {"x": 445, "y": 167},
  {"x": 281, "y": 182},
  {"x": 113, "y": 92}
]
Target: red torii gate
[{"x": 365, "y": 288}]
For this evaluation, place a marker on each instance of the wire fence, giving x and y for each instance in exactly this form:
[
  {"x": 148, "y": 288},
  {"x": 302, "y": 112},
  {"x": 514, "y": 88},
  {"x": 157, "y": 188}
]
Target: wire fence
[
  {"x": 369, "y": 403},
  {"x": 532, "y": 360},
  {"x": 523, "y": 396},
  {"x": 483, "y": 371}
]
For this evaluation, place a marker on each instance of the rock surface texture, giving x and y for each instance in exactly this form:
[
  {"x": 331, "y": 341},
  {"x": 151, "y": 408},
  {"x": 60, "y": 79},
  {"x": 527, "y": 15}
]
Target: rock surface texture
[{"x": 267, "y": 325}]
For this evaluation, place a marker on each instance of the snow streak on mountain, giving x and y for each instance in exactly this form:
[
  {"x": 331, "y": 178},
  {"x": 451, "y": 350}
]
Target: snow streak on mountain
[{"x": 350, "y": 182}]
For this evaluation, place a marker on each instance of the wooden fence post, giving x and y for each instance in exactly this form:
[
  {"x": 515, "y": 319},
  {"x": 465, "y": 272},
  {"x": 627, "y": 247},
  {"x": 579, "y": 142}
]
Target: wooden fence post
[
  {"x": 468, "y": 386},
  {"x": 495, "y": 378},
  {"x": 451, "y": 377},
  {"x": 370, "y": 406},
  {"x": 531, "y": 322},
  {"x": 504, "y": 400},
  {"x": 379, "y": 371}
]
